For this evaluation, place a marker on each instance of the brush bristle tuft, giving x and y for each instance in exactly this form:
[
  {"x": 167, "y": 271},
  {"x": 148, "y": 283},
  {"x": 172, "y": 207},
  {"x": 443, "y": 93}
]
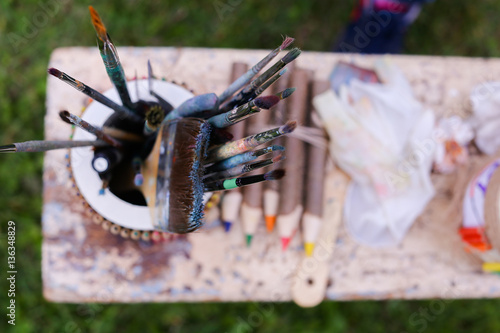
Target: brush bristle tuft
[
  {"x": 266, "y": 102},
  {"x": 274, "y": 175},
  {"x": 288, "y": 127},
  {"x": 291, "y": 56},
  {"x": 287, "y": 92},
  {"x": 55, "y": 72},
  {"x": 65, "y": 116},
  {"x": 99, "y": 27},
  {"x": 287, "y": 42}
]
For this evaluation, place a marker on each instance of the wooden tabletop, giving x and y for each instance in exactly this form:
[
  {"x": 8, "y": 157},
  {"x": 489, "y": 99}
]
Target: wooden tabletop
[{"x": 84, "y": 263}]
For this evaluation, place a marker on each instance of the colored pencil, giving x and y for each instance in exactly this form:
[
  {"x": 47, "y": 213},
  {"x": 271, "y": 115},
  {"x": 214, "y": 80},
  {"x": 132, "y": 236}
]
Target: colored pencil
[
  {"x": 290, "y": 206},
  {"x": 316, "y": 159}
]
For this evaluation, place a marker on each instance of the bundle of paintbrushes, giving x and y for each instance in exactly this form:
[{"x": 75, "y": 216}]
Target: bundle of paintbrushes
[{"x": 150, "y": 153}]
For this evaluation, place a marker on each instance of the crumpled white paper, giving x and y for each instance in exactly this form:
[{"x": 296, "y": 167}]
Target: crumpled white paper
[
  {"x": 381, "y": 136},
  {"x": 452, "y": 135},
  {"x": 485, "y": 100}
]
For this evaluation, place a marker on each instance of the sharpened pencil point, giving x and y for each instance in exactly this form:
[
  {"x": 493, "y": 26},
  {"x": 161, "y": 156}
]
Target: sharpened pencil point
[
  {"x": 266, "y": 102},
  {"x": 285, "y": 241},
  {"x": 309, "y": 249},
  {"x": 249, "y": 240},
  {"x": 227, "y": 226},
  {"x": 270, "y": 222}
]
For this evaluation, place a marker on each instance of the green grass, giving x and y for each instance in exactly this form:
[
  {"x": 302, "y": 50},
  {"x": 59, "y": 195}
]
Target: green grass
[{"x": 444, "y": 28}]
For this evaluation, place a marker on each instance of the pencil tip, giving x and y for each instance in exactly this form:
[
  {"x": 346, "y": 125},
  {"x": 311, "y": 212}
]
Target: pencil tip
[
  {"x": 55, "y": 72},
  {"x": 274, "y": 174},
  {"x": 101, "y": 191},
  {"x": 285, "y": 241},
  {"x": 227, "y": 226},
  {"x": 287, "y": 42},
  {"x": 266, "y": 102},
  {"x": 309, "y": 248},
  {"x": 270, "y": 222},
  {"x": 249, "y": 240}
]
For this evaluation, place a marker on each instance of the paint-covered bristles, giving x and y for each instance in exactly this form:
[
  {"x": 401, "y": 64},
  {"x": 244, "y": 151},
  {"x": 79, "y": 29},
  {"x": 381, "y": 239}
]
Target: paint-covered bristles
[
  {"x": 241, "y": 159},
  {"x": 285, "y": 93},
  {"x": 240, "y": 146},
  {"x": 77, "y": 121},
  {"x": 289, "y": 127},
  {"x": 98, "y": 25},
  {"x": 242, "y": 169},
  {"x": 266, "y": 102},
  {"x": 245, "y": 78},
  {"x": 94, "y": 94},
  {"x": 287, "y": 42}
]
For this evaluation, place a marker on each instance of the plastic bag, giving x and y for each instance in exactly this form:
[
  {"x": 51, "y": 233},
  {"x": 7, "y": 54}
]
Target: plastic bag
[{"x": 381, "y": 136}]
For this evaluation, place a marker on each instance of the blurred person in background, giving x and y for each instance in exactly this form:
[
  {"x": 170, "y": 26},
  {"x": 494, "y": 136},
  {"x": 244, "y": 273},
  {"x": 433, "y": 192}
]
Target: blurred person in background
[{"x": 379, "y": 26}]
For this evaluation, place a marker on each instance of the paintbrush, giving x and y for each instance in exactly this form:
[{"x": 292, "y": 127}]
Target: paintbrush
[
  {"x": 94, "y": 94},
  {"x": 242, "y": 169},
  {"x": 247, "y": 91},
  {"x": 229, "y": 184},
  {"x": 163, "y": 103},
  {"x": 110, "y": 58},
  {"x": 243, "y": 112},
  {"x": 246, "y": 157},
  {"x": 240, "y": 146},
  {"x": 241, "y": 98},
  {"x": 172, "y": 175},
  {"x": 245, "y": 78},
  {"x": 40, "y": 146},
  {"x": 77, "y": 121},
  {"x": 201, "y": 106}
]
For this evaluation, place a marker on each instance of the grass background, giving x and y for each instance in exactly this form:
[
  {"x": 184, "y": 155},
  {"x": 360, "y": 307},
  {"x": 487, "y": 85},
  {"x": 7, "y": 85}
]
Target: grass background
[{"x": 27, "y": 38}]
